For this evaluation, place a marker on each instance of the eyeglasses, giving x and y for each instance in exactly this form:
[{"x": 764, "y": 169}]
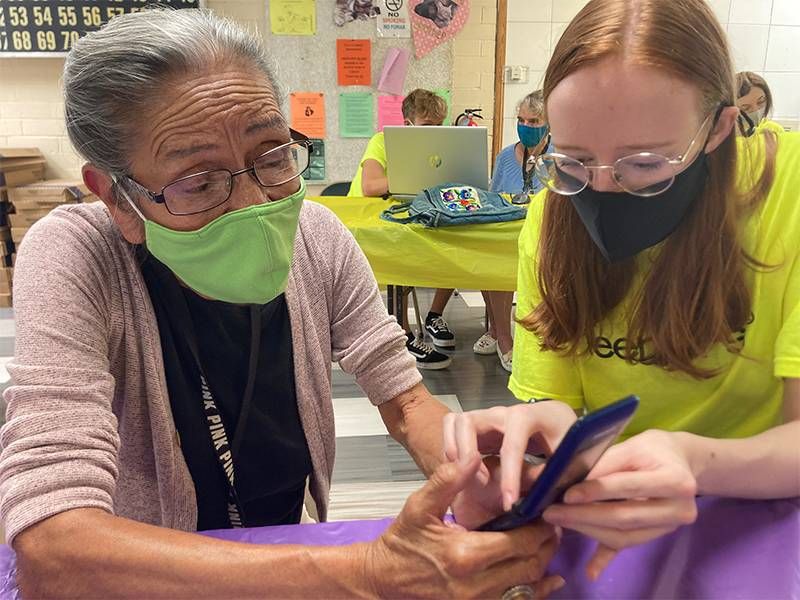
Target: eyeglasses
[
  {"x": 203, "y": 191},
  {"x": 643, "y": 174}
]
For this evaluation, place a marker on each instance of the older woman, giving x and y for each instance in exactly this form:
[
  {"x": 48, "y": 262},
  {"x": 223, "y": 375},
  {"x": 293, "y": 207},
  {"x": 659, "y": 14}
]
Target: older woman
[
  {"x": 508, "y": 179},
  {"x": 174, "y": 346}
]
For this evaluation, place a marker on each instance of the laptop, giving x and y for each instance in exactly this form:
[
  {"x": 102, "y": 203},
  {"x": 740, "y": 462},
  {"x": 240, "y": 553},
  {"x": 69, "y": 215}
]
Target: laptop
[{"x": 423, "y": 157}]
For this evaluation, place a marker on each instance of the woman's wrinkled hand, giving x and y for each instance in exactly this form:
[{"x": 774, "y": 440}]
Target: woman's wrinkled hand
[{"x": 422, "y": 556}]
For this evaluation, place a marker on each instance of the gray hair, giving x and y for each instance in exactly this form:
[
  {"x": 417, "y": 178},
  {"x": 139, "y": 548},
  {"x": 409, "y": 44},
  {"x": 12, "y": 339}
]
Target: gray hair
[
  {"x": 534, "y": 102},
  {"x": 113, "y": 74}
]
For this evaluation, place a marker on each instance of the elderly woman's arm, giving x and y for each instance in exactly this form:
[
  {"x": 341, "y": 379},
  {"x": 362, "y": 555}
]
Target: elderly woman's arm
[
  {"x": 90, "y": 553},
  {"x": 370, "y": 344}
]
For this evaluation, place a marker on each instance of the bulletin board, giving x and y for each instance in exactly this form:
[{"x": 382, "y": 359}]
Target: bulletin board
[{"x": 308, "y": 64}]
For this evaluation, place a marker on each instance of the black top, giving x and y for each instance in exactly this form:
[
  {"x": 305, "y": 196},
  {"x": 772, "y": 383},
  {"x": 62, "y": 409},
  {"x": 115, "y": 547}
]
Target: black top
[{"x": 273, "y": 461}]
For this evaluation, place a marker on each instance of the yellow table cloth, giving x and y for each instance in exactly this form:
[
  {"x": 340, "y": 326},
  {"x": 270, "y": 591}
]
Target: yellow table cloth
[{"x": 477, "y": 257}]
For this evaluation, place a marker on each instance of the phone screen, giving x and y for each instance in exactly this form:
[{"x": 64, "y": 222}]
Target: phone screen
[{"x": 585, "y": 457}]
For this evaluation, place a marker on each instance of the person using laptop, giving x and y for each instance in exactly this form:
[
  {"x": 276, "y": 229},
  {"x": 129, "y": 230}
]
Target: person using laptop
[
  {"x": 508, "y": 178},
  {"x": 420, "y": 108}
]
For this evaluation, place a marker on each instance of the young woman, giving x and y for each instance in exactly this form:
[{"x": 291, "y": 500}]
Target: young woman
[
  {"x": 664, "y": 260},
  {"x": 508, "y": 178},
  {"x": 753, "y": 97}
]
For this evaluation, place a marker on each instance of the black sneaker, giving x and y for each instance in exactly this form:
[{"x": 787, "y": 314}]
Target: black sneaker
[
  {"x": 437, "y": 328},
  {"x": 427, "y": 357}
]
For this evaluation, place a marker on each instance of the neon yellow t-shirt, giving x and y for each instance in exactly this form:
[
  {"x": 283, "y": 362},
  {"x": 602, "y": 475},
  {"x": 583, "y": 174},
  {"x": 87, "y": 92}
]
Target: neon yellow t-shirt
[
  {"x": 767, "y": 125},
  {"x": 747, "y": 396},
  {"x": 376, "y": 150}
]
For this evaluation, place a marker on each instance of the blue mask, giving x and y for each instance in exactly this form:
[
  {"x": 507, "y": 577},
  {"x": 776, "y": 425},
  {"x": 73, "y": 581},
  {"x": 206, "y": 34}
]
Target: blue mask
[{"x": 530, "y": 136}]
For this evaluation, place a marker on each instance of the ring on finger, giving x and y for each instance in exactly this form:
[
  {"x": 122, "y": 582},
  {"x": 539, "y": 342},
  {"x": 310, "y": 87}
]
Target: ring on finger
[{"x": 519, "y": 592}]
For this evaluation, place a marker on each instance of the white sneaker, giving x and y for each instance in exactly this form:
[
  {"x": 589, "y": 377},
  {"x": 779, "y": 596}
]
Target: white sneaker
[
  {"x": 505, "y": 359},
  {"x": 485, "y": 345}
]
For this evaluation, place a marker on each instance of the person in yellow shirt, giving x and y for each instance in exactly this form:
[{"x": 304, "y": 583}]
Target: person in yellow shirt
[
  {"x": 754, "y": 99},
  {"x": 420, "y": 108},
  {"x": 663, "y": 260}
]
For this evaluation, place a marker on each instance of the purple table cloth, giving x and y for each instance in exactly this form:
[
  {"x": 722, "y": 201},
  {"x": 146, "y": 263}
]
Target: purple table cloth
[{"x": 736, "y": 549}]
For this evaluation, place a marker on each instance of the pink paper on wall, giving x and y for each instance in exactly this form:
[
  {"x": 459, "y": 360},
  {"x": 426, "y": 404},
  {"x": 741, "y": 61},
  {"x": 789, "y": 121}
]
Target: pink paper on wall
[
  {"x": 390, "y": 111},
  {"x": 433, "y": 22},
  {"x": 395, "y": 67}
]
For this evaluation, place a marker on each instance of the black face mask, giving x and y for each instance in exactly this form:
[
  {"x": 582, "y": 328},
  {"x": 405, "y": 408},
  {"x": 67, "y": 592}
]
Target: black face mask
[{"x": 622, "y": 224}]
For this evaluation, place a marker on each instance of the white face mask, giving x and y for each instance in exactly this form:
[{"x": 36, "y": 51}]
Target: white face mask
[{"x": 756, "y": 116}]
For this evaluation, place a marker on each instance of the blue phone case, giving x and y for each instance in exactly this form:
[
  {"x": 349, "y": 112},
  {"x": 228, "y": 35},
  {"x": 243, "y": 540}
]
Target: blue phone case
[{"x": 583, "y": 445}]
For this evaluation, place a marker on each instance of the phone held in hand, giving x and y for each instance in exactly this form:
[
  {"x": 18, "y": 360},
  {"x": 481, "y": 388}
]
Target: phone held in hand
[{"x": 583, "y": 445}]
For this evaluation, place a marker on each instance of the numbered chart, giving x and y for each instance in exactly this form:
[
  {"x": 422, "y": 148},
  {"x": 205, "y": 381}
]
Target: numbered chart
[{"x": 52, "y": 26}]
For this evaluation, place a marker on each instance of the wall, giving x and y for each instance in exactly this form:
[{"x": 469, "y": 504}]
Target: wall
[
  {"x": 31, "y": 112},
  {"x": 764, "y": 36},
  {"x": 473, "y": 62}
]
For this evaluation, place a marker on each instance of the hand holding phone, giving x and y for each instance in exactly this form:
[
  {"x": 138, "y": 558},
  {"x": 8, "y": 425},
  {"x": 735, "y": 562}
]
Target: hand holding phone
[{"x": 579, "y": 450}]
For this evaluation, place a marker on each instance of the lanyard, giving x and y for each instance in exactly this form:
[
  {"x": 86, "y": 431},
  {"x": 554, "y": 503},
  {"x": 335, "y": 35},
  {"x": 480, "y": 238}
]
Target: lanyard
[
  {"x": 225, "y": 448},
  {"x": 523, "y": 197}
]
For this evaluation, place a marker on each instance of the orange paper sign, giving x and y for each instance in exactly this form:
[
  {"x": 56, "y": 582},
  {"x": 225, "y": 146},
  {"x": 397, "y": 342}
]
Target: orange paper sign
[
  {"x": 353, "y": 58},
  {"x": 307, "y": 110}
]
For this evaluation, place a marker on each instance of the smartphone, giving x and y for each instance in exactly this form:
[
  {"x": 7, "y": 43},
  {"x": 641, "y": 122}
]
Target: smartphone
[{"x": 583, "y": 445}]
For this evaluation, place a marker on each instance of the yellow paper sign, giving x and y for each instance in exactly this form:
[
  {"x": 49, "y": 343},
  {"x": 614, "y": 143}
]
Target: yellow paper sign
[{"x": 293, "y": 17}]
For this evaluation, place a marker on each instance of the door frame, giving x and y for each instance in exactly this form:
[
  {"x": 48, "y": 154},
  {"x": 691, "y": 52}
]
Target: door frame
[{"x": 499, "y": 69}]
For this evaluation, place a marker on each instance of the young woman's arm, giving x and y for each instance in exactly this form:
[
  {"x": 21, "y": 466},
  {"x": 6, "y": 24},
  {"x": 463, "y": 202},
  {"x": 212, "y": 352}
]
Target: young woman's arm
[
  {"x": 652, "y": 480},
  {"x": 763, "y": 466}
]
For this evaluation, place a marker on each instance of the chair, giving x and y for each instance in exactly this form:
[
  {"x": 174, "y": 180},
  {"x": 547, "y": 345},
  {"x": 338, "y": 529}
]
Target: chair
[{"x": 336, "y": 189}]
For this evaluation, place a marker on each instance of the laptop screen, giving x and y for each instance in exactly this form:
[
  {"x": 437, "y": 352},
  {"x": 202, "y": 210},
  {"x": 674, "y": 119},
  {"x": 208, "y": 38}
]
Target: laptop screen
[{"x": 423, "y": 157}]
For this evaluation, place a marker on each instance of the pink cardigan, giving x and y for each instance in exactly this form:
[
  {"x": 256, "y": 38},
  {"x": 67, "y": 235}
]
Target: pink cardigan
[{"x": 89, "y": 421}]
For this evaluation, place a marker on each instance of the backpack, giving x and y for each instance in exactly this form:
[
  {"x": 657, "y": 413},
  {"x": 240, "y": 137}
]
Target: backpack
[{"x": 453, "y": 204}]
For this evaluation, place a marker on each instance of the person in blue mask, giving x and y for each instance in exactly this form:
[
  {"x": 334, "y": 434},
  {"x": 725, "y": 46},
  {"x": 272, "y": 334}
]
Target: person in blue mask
[{"x": 511, "y": 177}]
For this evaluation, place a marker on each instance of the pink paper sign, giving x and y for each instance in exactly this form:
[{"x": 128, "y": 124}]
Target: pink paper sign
[
  {"x": 395, "y": 67},
  {"x": 390, "y": 111},
  {"x": 433, "y": 22}
]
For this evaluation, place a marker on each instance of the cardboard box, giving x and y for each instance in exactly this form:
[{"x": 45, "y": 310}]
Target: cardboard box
[
  {"x": 26, "y": 218},
  {"x": 6, "y": 279},
  {"x": 5, "y": 234},
  {"x": 48, "y": 193},
  {"x": 21, "y": 166},
  {"x": 17, "y": 233},
  {"x": 6, "y": 300}
]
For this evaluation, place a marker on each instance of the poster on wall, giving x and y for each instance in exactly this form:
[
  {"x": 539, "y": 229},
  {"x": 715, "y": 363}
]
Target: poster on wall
[
  {"x": 293, "y": 17},
  {"x": 448, "y": 99},
  {"x": 395, "y": 67},
  {"x": 356, "y": 115},
  {"x": 393, "y": 21},
  {"x": 354, "y": 62},
  {"x": 390, "y": 111},
  {"x": 347, "y": 11},
  {"x": 433, "y": 22},
  {"x": 307, "y": 113},
  {"x": 316, "y": 162}
]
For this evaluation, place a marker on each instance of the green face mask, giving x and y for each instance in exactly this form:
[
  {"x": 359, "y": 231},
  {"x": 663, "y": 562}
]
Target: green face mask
[{"x": 242, "y": 257}]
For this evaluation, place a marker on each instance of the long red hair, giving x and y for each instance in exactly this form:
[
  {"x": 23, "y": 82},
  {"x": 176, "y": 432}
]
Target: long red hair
[{"x": 696, "y": 294}]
